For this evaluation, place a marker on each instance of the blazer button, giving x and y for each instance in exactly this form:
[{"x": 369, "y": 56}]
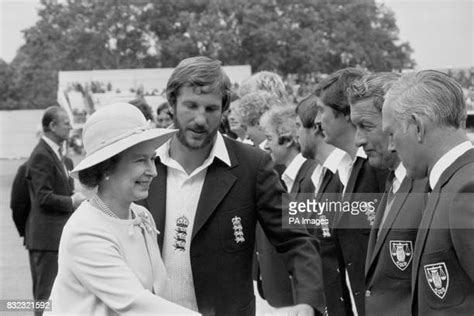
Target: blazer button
[
  {"x": 341, "y": 299},
  {"x": 337, "y": 269},
  {"x": 349, "y": 264},
  {"x": 367, "y": 293}
]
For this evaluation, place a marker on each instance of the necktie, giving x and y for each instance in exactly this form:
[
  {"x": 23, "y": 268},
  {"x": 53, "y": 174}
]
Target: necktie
[
  {"x": 389, "y": 184},
  {"x": 389, "y": 181},
  {"x": 61, "y": 156}
]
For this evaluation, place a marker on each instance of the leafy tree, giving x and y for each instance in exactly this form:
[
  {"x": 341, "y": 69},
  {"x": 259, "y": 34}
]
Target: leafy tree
[
  {"x": 301, "y": 37},
  {"x": 7, "y": 92}
]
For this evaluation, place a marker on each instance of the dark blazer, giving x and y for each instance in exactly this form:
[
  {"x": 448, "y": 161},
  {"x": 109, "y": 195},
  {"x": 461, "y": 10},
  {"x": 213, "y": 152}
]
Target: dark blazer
[
  {"x": 303, "y": 182},
  {"x": 390, "y": 256},
  {"x": 351, "y": 232},
  {"x": 222, "y": 268},
  {"x": 50, "y": 194},
  {"x": 335, "y": 289},
  {"x": 20, "y": 199},
  {"x": 443, "y": 264},
  {"x": 274, "y": 280}
]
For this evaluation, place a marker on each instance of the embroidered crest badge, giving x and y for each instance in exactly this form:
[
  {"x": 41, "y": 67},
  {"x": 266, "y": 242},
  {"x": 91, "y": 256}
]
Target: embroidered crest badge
[
  {"x": 370, "y": 217},
  {"x": 438, "y": 278},
  {"x": 401, "y": 252},
  {"x": 181, "y": 230},
  {"x": 325, "y": 226},
  {"x": 238, "y": 229}
]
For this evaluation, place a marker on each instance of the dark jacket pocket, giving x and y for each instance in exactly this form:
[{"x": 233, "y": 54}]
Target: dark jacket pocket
[
  {"x": 398, "y": 254},
  {"x": 442, "y": 280}
]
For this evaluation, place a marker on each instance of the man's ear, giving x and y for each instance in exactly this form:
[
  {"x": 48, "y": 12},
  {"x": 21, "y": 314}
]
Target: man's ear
[
  {"x": 52, "y": 125},
  {"x": 420, "y": 127},
  {"x": 289, "y": 142}
]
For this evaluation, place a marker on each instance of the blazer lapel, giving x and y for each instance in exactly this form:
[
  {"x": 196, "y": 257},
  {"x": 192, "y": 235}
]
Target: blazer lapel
[
  {"x": 422, "y": 233},
  {"x": 156, "y": 200},
  {"x": 349, "y": 187},
  {"x": 324, "y": 184},
  {"x": 351, "y": 183},
  {"x": 374, "y": 232},
  {"x": 399, "y": 200},
  {"x": 429, "y": 212},
  {"x": 296, "y": 186},
  {"x": 300, "y": 176},
  {"x": 58, "y": 163},
  {"x": 218, "y": 182}
]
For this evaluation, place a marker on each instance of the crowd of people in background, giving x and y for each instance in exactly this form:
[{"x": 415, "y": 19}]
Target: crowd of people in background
[{"x": 397, "y": 140}]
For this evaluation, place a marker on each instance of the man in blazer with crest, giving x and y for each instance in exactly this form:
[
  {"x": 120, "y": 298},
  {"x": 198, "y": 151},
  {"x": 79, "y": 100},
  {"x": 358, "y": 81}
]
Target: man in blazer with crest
[
  {"x": 280, "y": 128},
  {"x": 425, "y": 113},
  {"x": 326, "y": 186},
  {"x": 207, "y": 198},
  {"x": 361, "y": 181},
  {"x": 392, "y": 238},
  {"x": 52, "y": 199}
]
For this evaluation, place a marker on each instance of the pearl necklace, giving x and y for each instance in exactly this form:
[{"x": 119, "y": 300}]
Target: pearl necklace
[{"x": 105, "y": 209}]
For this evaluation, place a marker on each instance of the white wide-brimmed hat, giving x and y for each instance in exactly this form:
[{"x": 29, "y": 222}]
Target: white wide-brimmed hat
[{"x": 113, "y": 129}]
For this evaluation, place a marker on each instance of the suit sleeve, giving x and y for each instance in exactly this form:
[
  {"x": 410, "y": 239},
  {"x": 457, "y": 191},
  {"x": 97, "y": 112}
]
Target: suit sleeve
[
  {"x": 461, "y": 217},
  {"x": 42, "y": 177},
  {"x": 298, "y": 248},
  {"x": 20, "y": 199}
]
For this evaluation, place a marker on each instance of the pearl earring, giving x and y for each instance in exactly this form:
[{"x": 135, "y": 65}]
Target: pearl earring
[{"x": 107, "y": 178}]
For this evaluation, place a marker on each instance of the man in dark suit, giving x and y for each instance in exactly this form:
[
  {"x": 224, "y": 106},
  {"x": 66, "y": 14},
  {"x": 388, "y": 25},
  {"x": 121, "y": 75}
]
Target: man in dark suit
[
  {"x": 20, "y": 203},
  {"x": 208, "y": 196},
  {"x": 327, "y": 186},
  {"x": 362, "y": 182},
  {"x": 390, "y": 249},
  {"x": 425, "y": 113},
  {"x": 52, "y": 200},
  {"x": 280, "y": 128}
]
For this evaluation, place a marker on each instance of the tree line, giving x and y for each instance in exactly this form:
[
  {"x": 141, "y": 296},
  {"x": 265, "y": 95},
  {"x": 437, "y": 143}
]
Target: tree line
[{"x": 297, "y": 38}]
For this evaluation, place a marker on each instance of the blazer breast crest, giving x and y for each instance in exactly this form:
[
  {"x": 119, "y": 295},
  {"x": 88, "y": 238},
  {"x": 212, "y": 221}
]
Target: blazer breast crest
[
  {"x": 181, "y": 232},
  {"x": 438, "y": 278},
  {"x": 238, "y": 229},
  {"x": 401, "y": 252}
]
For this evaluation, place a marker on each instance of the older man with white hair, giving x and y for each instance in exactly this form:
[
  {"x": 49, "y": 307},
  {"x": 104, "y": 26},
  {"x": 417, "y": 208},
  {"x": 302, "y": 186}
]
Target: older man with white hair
[{"x": 424, "y": 115}]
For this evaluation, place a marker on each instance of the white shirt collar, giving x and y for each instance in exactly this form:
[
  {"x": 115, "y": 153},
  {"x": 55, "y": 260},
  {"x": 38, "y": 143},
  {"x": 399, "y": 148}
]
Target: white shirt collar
[
  {"x": 447, "y": 160},
  {"x": 316, "y": 177},
  {"x": 361, "y": 153},
  {"x": 333, "y": 161},
  {"x": 262, "y": 145},
  {"x": 400, "y": 174},
  {"x": 52, "y": 144},
  {"x": 219, "y": 150},
  {"x": 291, "y": 171}
]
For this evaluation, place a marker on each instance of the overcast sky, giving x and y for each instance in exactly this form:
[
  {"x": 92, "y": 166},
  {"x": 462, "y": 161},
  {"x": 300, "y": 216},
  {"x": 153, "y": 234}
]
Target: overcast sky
[{"x": 441, "y": 32}]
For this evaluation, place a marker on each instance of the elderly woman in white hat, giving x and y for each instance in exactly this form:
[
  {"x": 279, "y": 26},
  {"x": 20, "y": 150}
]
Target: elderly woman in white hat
[{"x": 109, "y": 261}]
